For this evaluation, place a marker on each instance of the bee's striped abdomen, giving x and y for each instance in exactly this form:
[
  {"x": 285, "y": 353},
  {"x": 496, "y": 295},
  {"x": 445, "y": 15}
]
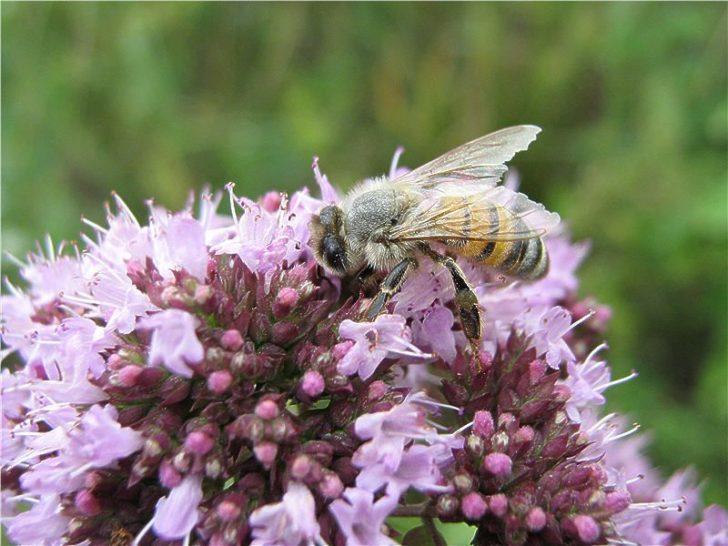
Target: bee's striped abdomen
[{"x": 524, "y": 258}]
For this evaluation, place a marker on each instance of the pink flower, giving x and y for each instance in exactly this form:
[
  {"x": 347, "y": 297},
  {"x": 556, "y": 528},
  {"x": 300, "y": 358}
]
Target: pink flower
[
  {"x": 373, "y": 342},
  {"x": 174, "y": 342},
  {"x": 289, "y": 522},
  {"x": 361, "y": 519},
  {"x": 177, "y": 514}
]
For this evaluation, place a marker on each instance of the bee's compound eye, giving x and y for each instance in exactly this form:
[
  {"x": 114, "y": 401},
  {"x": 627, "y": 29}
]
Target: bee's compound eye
[
  {"x": 330, "y": 216},
  {"x": 334, "y": 253}
]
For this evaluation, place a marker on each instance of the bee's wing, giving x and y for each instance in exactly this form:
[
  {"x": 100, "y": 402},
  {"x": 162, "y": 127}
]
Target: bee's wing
[
  {"x": 481, "y": 160},
  {"x": 496, "y": 214}
]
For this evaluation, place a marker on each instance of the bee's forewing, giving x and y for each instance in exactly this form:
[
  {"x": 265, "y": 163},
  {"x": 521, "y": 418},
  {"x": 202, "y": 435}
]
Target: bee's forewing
[{"x": 481, "y": 160}]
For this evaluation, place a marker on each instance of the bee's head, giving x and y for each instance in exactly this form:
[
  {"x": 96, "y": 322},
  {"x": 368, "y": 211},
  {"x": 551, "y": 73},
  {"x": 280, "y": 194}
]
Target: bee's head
[{"x": 328, "y": 241}]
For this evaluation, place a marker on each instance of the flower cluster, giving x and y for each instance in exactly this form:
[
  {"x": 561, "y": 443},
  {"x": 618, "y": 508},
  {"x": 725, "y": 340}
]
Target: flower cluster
[{"x": 200, "y": 380}]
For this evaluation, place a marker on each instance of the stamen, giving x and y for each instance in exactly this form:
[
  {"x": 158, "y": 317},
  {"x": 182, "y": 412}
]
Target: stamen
[
  {"x": 395, "y": 160},
  {"x": 586, "y": 317},
  {"x": 620, "y": 381}
]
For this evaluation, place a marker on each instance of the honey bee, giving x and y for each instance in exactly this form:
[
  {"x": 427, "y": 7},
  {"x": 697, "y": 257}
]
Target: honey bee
[{"x": 451, "y": 205}]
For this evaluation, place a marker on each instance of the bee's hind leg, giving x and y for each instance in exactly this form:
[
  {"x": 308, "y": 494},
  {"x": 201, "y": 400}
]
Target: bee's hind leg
[
  {"x": 465, "y": 299},
  {"x": 390, "y": 285}
]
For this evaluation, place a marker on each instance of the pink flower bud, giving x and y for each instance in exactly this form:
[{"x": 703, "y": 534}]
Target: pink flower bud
[
  {"x": 301, "y": 467},
  {"x": 271, "y": 201},
  {"x": 498, "y": 504},
  {"x": 218, "y": 382},
  {"x": 168, "y": 476},
  {"x": 498, "y": 464},
  {"x": 198, "y": 443},
  {"x": 228, "y": 510},
  {"x": 312, "y": 383},
  {"x": 330, "y": 486},
  {"x": 617, "y": 501},
  {"x": 535, "y": 519},
  {"x": 203, "y": 293},
  {"x": 377, "y": 390},
  {"x": 524, "y": 435},
  {"x": 340, "y": 349},
  {"x": 267, "y": 410},
  {"x": 231, "y": 340},
  {"x": 285, "y": 301},
  {"x": 87, "y": 504},
  {"x": 115, "y": 362},
  {"x": 266, "y": 453},
  {"x": 586, "y": 528},
  {"x": 128, "y": 375},
  {"x": 473, "y": 506},
  {"x": 483, "y": 424}
]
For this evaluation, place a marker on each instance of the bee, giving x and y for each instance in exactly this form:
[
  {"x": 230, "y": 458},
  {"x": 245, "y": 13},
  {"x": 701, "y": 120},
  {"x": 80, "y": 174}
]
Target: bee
[{"x": 452, "y": 205}]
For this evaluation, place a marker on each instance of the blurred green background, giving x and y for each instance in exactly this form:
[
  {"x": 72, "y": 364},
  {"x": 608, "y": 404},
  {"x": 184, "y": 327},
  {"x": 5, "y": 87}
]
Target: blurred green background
[{"x": 154, "y": 99}]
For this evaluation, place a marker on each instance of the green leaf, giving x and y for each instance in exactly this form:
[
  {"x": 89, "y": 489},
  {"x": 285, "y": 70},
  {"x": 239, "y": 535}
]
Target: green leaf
[{"x": 422, "y": 536}]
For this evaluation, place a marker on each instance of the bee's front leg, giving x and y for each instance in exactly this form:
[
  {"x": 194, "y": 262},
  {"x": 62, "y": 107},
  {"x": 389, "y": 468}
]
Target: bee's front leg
[{"x": 390, "y": 285}]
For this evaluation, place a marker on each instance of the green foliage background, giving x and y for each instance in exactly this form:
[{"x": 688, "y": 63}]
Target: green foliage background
[{"x": 154, "y": 99}]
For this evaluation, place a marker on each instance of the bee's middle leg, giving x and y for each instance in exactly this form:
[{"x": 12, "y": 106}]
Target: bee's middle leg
[
  {"x": 465, "y": 299},
  {"x": 390, "y": 285}
]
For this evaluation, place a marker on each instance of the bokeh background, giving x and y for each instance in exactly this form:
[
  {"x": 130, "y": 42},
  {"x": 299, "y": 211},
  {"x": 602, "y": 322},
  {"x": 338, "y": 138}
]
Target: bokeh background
[{"x": 151, "y": 100}]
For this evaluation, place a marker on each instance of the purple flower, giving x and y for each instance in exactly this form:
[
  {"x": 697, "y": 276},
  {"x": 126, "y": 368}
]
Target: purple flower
[
  {"x": 43, "y": 524},
  {"x": 286, "y": 421},
  {"x": 289, "y": 522},
  {"x": 714, "y": 527},
  {"x": 418, "y": 468},
  {"x": 361, "y": 519},
  {"x": 176, "y": 515},
  {"x": 178, "y": 243},
  {"x": 373, "y": 342},
  {"x": 174, "y": 342},
  {"x": 546, "y": 332},
  {"x": 97, "y": 442}
]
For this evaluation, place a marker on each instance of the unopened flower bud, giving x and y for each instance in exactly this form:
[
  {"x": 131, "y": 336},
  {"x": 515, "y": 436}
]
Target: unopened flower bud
[
  {"x": 377, "y": 390},
  {"x": 483, "y": 424},
  {"x": 115, "y": 362},
  {"x": 198, "y": 443},
  {"x": 213, "y": 467},
  {"x": 475, "y": 445},
  {"x": 87, "y": 503},
  {"x": 473, "y": 506},
  {"x": 301, "y": 467},
  {"x": 219, "y": 381},
  {"x": 446, "y": 505},
  {"x": 312, "y": 383},
  {"x": 524, "y": 435},
  {"x": 182, "y": 462},
  {"x": 330, "y": 486},
  {"x": 266, "y": 453},
  {"x": 463, "y": 483},
  {"x": 203, "y": 293},
  {"x": 535, "y": 519},
  {"x": 500, "y": 441},
  {"x": 284, "y": 333},
  {"x": 231, "y": 340},
  {"x": 168, "y": 476},
  {"x": 285, "y": 301},
  {"x": 617, "y": 501},
  {"x": 340, "y": 349},
  {"x": 271, "y": 201},
  {"x": 583, "y": 527},
  {"x": 228, "y": 510},
  {"x": 267, "y": 410},
  {"x": 128, "y": 375},
  {"x": 498, "y": 464},
  {"x": 498, "y": 504}
]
